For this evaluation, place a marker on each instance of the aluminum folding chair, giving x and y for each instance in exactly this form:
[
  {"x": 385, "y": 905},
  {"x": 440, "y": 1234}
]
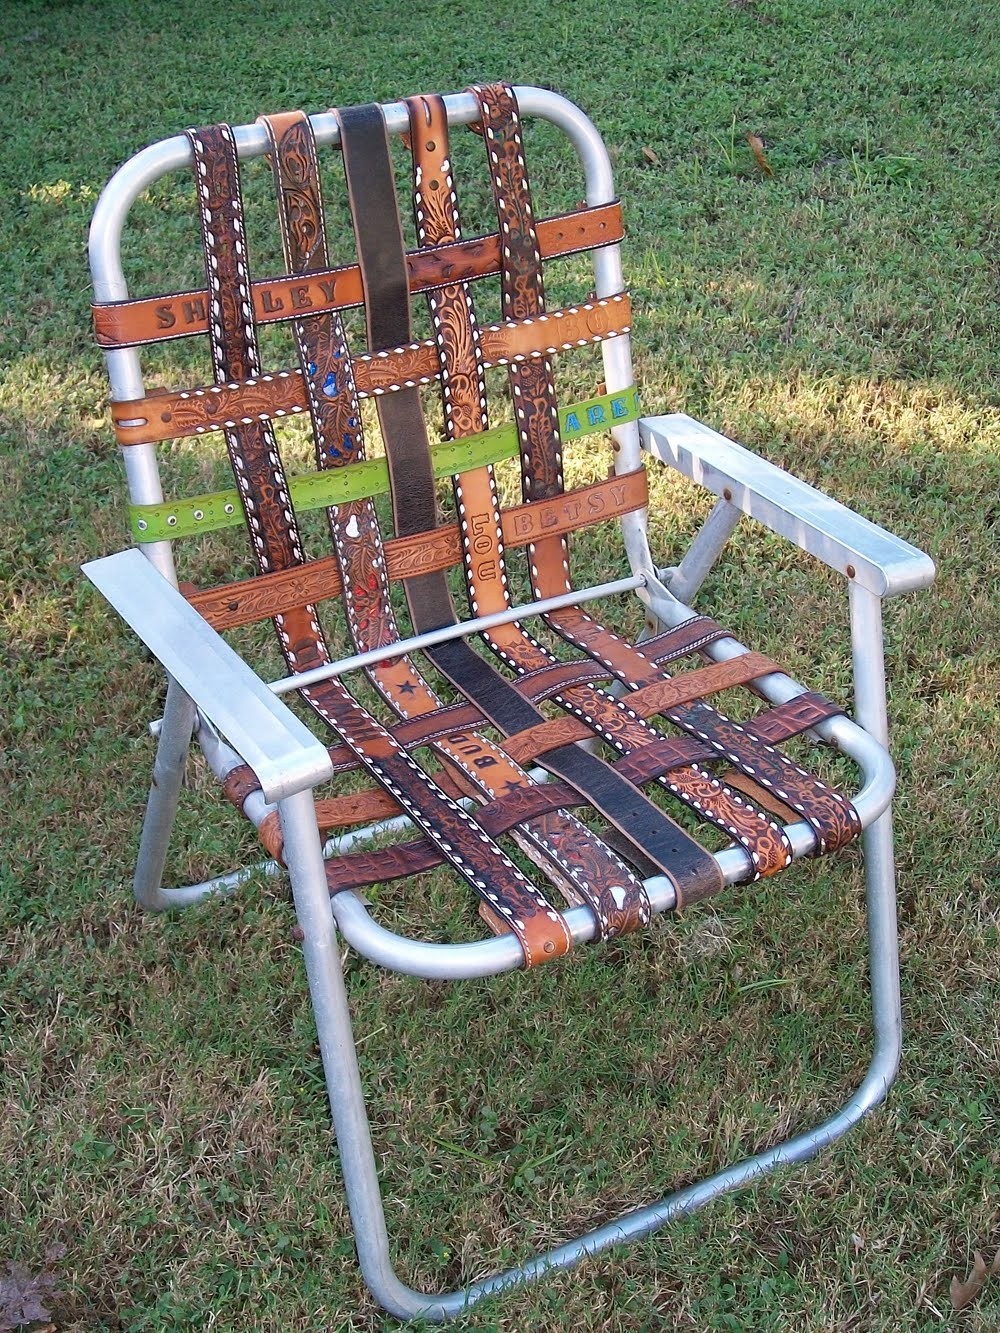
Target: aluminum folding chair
[{"x": 555, "y": 743}]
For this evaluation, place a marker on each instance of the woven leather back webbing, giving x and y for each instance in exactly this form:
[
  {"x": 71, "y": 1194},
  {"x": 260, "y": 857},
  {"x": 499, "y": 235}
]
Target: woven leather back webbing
[{"x": 378, "y": 234}]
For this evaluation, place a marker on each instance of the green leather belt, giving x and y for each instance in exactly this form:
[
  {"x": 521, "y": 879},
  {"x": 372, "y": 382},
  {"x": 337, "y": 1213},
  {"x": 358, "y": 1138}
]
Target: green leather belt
[{"x": 333, "y": 486}]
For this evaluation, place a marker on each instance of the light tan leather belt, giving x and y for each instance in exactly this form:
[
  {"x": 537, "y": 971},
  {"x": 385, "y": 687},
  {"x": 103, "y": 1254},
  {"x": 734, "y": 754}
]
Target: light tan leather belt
[{"x": 178, "y": 315}]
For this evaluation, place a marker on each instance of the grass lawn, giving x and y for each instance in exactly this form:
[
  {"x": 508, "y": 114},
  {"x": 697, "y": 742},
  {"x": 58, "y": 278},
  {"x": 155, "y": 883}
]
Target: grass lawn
[{"x": 162, "y": 1111}]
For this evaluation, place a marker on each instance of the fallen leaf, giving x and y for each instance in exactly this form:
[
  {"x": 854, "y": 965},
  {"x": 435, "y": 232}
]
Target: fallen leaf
[
  {"x": 650, "y": 156},
  {"x": 20, "y": 1297},
  {"x": 20, "y": 1293},
  {"x": 760, "y": 157},
  {"x": 964, "y": 1293}
]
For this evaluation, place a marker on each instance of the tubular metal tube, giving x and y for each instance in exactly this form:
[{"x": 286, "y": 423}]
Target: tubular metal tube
[
  {"x": 478, "y": 958},
  {"x": 340, "y": 1062},
  {"x": 461, "y": 630},
  {"x": 353, "y": 1135},
  {"x": 644, "y": 1221},
  {"x": 880, "y": 871},
  {"x": 161, "y": 807},
  {"x": 704, "y": 551}
]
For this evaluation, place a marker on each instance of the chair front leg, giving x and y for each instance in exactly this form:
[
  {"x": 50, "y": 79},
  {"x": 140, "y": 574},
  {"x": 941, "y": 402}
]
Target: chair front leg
[
  {"x": 321, "y": 950},
  {"x": 871, "y": 711}
]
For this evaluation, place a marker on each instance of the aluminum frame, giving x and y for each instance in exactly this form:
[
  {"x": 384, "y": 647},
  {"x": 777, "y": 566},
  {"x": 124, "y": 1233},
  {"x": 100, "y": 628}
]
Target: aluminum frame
[{"x": 204, "y": 678}]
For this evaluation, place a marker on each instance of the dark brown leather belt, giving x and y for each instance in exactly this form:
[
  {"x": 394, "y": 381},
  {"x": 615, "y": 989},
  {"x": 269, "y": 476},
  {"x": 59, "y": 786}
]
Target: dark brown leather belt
[
  {"x": 379, "y": 238},
  {"x": 555, "y": 841}
]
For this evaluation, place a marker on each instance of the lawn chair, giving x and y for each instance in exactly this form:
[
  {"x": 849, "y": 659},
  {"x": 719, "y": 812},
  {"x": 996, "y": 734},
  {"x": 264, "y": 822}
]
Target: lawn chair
[{"x": 557, "y": 769}]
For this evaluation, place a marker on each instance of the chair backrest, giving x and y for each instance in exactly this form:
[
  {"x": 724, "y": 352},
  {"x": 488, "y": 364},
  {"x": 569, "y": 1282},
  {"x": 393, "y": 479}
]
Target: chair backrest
[{"x": 233, "y": 308}]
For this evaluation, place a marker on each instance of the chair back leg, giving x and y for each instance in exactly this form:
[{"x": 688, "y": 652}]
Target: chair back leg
[{"x": 169, "y": 766}]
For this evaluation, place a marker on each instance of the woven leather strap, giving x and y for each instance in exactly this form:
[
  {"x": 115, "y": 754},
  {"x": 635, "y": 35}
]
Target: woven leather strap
[
  {"x": 184, "y": 314},
  {"x": 832, "y": 817},
  {"x": 182, "y": 413},
  {"x": 229, "y": 605},
  {"x": 260, "y": 476}
]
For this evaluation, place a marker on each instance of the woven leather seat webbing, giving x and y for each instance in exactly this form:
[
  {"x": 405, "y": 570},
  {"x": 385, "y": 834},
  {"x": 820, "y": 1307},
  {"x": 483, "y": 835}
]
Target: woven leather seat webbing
[
  {"x": 379, "y": 237},
  {"x": 522, "y": 804}
]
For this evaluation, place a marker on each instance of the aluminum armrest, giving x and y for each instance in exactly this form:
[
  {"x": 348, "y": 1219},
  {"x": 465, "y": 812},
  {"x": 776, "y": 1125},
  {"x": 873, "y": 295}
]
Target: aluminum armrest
[
  {"x": 877, "y": 560},
  {"x": 280, "y": 749}
]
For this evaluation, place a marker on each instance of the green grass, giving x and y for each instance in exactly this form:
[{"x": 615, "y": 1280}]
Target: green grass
[{"x": 162, "y": 1109}]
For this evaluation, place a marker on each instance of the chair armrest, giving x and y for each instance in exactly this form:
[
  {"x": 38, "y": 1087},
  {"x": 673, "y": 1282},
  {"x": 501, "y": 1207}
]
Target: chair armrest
[
  {"x": 267, "y": 735},
  {"x": 877, "y": 560}
]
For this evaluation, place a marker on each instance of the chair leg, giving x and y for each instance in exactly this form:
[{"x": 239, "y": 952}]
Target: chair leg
[
  {"x": 326, "y": 981},
  {"x": 329, "y": 996},
  {"x": 871, "y": 711},
  {"x": 321, "y": 949},
  {"x": 161, "y": 807}
]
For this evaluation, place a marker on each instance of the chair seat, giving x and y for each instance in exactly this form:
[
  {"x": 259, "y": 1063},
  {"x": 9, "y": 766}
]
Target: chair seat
[{"x": 737, "y": 767}]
